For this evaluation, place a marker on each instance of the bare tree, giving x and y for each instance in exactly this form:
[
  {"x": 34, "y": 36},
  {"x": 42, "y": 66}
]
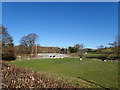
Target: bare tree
[
  {"x": 80, "y": 51},
  {"x": 29, "y": 42},
  {"x": 100, "y": 47},
  {"x": 117, "y": 39},
  {"x": 116, "y": 46},
  {"x": 79, "y": 47},
  {"x": 116, "y": 43}
]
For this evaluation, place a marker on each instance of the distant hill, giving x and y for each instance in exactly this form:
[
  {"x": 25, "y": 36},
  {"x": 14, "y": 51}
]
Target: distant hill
[
  {"x": 39, "y": 49},
  {"x": 42, "y": 49}
]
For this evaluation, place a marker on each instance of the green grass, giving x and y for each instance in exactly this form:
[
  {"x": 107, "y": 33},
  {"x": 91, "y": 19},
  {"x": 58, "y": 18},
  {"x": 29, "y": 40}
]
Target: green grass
[
  {"x": 88, "y": 55},
  {"x": 103, "y": 73},
  {"x": 92, "y": 55}
]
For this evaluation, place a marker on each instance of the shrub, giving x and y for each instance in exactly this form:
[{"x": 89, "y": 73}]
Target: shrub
[
  {"x": 112, "y": 57},
  {"x": 8, "y": 57},
  {"x": 103, "y": 56},
  {"x": 72, "y": 49},
  {"x": 92, "y": 55}
]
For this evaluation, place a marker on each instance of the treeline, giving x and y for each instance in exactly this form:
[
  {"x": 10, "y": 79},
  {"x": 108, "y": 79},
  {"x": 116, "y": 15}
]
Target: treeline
[
  {"x": 28, "y": 46},
  {"x": 8, "y": 50}
]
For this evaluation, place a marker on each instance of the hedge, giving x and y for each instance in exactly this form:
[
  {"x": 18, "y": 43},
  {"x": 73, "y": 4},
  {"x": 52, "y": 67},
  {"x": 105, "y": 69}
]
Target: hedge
[{"x": 102, "y": 56}]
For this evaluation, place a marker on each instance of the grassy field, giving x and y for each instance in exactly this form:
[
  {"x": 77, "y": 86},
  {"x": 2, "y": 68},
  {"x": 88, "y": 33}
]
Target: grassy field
[
  {"x": 103, "y": 73},
  {"x": 87, "y": 55}
]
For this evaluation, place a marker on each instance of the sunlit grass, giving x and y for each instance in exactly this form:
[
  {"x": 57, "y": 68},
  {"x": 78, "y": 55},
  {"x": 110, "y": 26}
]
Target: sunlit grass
[{"x": 103, "y": 73}]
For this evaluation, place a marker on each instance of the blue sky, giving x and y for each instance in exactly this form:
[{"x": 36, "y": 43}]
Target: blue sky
[{"x": 62, "y": 24}]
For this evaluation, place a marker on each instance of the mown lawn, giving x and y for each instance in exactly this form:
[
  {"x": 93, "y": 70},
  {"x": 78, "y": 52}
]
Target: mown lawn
[{"x": 103, "y": 73}]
